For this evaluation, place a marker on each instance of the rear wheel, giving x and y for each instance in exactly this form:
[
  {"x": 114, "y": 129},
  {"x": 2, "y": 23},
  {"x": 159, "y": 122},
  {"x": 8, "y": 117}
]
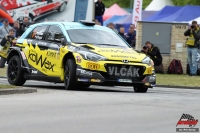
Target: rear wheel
[
  {"x": 62, "y": 7},
  {"x": 140, "y": 89},
  {"x": 15, "y": 74},
  {"x": 70, "y": 74}
]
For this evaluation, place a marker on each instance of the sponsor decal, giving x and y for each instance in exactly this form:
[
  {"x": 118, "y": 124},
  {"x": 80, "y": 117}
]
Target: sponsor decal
[
  {"x": 101, "y": 46},
  {"x": 116, "y": 51},
  {"x": 125, "y": 80},
  {"x": 44, "y": 63},
  {"x": 123, "y": 56},
  {"x": 42, "y": 43},
  {"x": 83, "y": 80},
  {"x": 187, "y": 120},
  {"x": 23, "y": 55},
  {"x": 95, "y": 80},
  {"x": 78, "y": 59},
  {"x": 129, "y": 72},
  {"x": 34, "y": 72},
  {"x": 51, "y": 54},
  {"x": 92, "y": 66},
  {"x": 86, "y": 73}
]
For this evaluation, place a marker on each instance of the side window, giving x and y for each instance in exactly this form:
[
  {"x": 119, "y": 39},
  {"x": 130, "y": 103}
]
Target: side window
[
  {"x": 54, "y": 34},
  {"x": 38, "y": 33}
]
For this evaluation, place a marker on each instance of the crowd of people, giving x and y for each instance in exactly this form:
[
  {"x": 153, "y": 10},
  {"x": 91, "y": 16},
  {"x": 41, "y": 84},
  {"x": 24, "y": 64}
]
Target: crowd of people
[{"x": 9, "y": 35}]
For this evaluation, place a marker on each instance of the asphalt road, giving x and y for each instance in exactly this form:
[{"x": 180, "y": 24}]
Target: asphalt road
[{"x": 96, "y": 110}]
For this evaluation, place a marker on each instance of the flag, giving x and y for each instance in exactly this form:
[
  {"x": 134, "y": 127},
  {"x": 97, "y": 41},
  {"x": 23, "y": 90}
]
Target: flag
[{"x": 137, "y": 11}]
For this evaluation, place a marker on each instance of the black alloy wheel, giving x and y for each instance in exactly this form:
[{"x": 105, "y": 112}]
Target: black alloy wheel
[
  {"x": 15, "y": 74},
  {"x": 70, "y": 74}
]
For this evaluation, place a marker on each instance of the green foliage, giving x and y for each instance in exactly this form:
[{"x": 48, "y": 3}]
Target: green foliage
[
  {"x": 186, "y": 2},
  {"x": 126, "y": 3}
]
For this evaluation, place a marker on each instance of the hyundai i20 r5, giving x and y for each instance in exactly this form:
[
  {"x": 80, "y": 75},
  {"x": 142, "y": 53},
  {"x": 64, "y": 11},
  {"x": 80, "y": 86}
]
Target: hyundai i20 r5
[{"x": 78, "y": 54}]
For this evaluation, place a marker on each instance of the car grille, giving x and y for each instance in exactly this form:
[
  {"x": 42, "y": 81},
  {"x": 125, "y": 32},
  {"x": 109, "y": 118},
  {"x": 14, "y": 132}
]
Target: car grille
[{"x": 117, "y": 71}]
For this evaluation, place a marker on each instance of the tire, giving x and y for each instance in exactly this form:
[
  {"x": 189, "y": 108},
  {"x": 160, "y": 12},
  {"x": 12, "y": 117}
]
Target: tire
[
  {"x": 140, "y": 89},
  {"x": 62, "y": 7},
  {"x": 15, "y": 74},
  {"x": 70, "y": 74}
]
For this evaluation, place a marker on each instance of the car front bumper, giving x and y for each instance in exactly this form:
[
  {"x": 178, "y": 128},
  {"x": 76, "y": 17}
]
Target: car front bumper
[{"x": 100, "y": 78}]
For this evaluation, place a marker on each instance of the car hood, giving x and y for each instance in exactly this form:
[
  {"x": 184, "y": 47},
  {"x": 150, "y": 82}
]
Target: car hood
[{"x": 114, "y": 53}]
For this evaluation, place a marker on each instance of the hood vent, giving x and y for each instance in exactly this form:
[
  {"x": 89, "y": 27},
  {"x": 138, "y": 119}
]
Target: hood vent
[{"x": 88, "y": 47}]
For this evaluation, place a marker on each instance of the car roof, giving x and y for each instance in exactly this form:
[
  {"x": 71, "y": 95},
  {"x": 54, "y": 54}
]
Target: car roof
[{"x": 73, "y": 25}]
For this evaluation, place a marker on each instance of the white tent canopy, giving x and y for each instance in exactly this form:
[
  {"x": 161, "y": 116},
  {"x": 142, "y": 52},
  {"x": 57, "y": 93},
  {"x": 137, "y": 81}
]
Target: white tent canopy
[
  {"x": 197, "y": 19},
  {"x": 157, "y": 5}
]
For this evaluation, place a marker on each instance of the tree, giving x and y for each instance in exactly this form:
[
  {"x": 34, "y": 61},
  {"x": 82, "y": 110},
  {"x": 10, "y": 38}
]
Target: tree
[
  {"x": 124, "y": 3},
  {"x": 186, "y": 2}
]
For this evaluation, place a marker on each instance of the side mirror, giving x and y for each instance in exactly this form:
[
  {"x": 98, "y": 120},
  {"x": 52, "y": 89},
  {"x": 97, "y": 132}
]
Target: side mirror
[
  {"x": 57, "y": 37},
  {"x": 63, "y": 41}
]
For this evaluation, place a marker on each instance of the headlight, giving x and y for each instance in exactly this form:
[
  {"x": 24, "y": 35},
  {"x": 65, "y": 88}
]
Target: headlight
[
  {"x": 91, "y": 56},
  {"x": 148, "y": 61}
]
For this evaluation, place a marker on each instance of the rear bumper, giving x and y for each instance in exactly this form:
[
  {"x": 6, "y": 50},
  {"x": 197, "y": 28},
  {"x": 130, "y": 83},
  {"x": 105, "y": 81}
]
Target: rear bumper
[{"x": 99, "y": 78}]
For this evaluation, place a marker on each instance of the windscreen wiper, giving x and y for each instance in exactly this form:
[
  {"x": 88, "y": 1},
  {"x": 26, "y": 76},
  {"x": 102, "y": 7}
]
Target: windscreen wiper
[{"x": 110, "y": 45}]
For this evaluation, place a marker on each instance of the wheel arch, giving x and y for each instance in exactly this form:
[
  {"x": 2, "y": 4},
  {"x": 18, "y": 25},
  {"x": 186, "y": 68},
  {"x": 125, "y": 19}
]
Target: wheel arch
[
  {"x": 69, "y": 55},
  {"x": 16, "y": 51}
]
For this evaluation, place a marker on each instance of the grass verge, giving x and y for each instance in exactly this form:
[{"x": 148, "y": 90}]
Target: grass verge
[
  {"x": 2, "y": 86},
  {"x": 3, "y": 72},
  {"x": 177, "y": 80}
]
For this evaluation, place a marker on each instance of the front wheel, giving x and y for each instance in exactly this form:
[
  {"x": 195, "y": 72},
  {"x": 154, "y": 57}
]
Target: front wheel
[
  {"x": 70, "y": 74},
  {"x": 15, "y": 74},
  {"x": 140, "y": 89}
]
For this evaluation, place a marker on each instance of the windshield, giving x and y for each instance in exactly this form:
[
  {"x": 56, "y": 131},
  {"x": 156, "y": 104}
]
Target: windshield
[{"x": 88, "y": 36}]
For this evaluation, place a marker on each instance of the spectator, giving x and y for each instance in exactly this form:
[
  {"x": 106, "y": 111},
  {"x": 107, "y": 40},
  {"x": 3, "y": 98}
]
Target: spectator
[
  {"x": 99, "y": 24},
  {"x": 4, "y": 30},
  {"x": 99, "y": 11},
  {"x": 121, "y": 33},
  {"x": 153, "y": 52},
  {"x": 96, "y": 21},
  {"x": 24, "y": 24},
  {"x": 132, "y": 26},
  {"x": 16, "y": 27},
  {"x": 193, "y": 43},
  {"x": 112, "y": 26},
  {"x": 6, "y": 43},
  {"x": 130, "y": 37}
]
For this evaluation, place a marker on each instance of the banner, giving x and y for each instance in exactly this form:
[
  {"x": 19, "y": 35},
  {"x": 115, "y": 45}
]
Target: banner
[
  {"x": 137, "y": 11},
  {"x": 80, "y": 10}
]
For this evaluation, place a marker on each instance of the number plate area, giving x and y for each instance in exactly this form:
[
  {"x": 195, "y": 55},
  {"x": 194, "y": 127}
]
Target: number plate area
[{"x": 124, "y": 71}]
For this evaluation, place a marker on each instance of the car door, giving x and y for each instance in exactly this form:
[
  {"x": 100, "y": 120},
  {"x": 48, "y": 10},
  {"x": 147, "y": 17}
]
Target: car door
[
  {"x": 53, "y": 37},
  {"x": 36, "y": 51}
]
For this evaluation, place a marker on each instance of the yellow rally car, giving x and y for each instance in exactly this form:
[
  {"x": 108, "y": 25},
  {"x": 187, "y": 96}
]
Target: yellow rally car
[{"x": 78, "y": 54}]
